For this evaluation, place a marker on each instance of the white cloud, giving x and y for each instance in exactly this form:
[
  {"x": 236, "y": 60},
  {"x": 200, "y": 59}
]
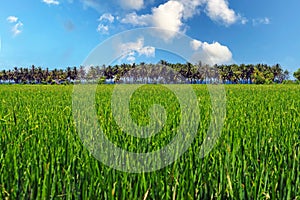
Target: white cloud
[
  {"x": 107, "y": 17},
  {"x": 16, "y": 29},
  {"x": 217, "y": 53},
  {"x": 137, "y": 20},
  {"x": 172, "y": 15},
  {"x": 131, "y": 59},
  {"x": 132, "y": 4},
  {"x": 51, "y": 2},
  {"x": 191, "y": 7},
  {"x": 196, "y": 44},
  {"x": 12, "y": 19},
  {"x": 167, "y": 16},
  {"x": 258, "y": 21},
  {"x": 102, "y": 29},
  {"x": 211, "y": 54},
  {"x": 130, "y": 50},
  {"x": 105, "y": 20},
  {"x": 218, "y": 10}
]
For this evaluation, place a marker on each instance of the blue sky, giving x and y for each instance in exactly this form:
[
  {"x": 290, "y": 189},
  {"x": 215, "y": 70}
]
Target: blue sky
[{"x": 61, "y": 33}]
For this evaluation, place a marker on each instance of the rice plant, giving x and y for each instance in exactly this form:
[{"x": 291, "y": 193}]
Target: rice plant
[{"x": 256, "y": 157}]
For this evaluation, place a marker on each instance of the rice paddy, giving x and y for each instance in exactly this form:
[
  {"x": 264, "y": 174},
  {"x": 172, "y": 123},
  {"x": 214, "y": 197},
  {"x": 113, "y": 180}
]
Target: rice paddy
[{"x": 256, "y": 157}]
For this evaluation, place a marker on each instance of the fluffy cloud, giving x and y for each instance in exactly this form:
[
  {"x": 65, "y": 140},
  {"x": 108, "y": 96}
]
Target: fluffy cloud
[
  {"x": 132, "y": 4},
  {"x": 102, "y": 29},
  {"x": 130, "y": 50},
  {"x": 107, "y": 17},
  {"x": 137, "y": 20},
  {"x": 214, "y": 53},
  {"x": 172, "y": 14},
  {"x": 51, "y": 2},
  {"x": 167, "y": 16},
  {"x": 218, "y": 10},
  {"x": 105, "y": 20},
  {"x": 196, "y": 44},
  {"x": 17, "y": 28},
  {"x": 191, "y": 7},
  {"x": 12, "y": 19},
  {"x": 217, "y": 53}
]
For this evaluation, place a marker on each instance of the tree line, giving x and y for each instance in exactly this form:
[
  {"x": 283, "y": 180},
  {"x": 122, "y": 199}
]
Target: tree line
[{"x": 161, "y": 72}]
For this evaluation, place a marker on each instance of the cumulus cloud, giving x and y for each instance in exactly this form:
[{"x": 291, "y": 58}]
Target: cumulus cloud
[
  {"x": 172, "y": 15},
  {"x": 167, "y": 16},
  {"x": 217, "y": 53},
  {"x": 12, "y": 19},
  {"x": 130, "y": 50},
  {"x": 195, "y": 44},
  {"x": 132, "y": 4},
  {"x": 105, "y": 20},
  {"x": 51, "y": 2},
  {"x": 191, "y": 7},
  {"x": 211, "y": 54},
  {"x": 218, "y": 10},
  {"x": 258, "y": 21}
]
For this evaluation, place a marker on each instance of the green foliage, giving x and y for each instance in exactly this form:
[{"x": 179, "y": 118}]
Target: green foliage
[
  {"x": 257, "y": 156},
  {"x": 289, "y": 82},
  {"x": 297, "y": 74},
  {"x": 102, "y": 80},
  {"x": 192, "y": 73}
]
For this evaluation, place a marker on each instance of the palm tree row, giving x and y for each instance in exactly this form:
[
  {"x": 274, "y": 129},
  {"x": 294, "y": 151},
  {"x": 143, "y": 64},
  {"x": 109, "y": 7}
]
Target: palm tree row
[
  {"x": 161, "y": 72},
  {"x": 38, "y": 75}
]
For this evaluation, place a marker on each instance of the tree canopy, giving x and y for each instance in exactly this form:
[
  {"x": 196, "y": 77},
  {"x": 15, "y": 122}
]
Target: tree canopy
[
  {"x": 189, "y": 73},
  {"x": 297, "y": 74}
]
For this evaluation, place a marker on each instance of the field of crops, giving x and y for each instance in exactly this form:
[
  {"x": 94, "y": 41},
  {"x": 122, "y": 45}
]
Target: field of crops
[{"x": 256, "y": 157}]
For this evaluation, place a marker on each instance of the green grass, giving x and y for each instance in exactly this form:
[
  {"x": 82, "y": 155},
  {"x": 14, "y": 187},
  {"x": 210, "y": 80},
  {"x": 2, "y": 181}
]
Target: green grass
[{"x": 256, "y": 157}]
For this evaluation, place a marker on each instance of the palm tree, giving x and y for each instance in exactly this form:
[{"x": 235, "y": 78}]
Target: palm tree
[
  {"x": 4, "y": 76},
  {"x": 297, "y": 74},
  {"x": 277, "y": 71},
  {"x": 236, "y": 73}
]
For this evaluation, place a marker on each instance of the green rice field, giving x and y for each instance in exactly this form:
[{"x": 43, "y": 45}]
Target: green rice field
[{"x": 256, "y": 157}]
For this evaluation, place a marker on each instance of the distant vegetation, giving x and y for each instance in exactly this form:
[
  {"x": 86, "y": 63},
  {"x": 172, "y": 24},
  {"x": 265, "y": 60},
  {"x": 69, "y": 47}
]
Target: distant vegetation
[
  {"x": 190, "y": 73},
  {"x": 297, "y": 74}
]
